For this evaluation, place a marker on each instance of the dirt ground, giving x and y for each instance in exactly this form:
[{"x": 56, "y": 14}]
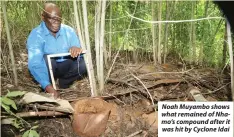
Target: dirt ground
[{"x": 133, "y": 91}]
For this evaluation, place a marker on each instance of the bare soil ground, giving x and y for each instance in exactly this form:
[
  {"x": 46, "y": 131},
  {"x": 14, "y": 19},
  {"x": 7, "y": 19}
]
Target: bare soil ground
[{"x": 130, "y": 90}]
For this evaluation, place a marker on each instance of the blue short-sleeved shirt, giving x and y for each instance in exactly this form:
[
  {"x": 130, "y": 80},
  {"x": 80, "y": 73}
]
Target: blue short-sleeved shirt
[{"x": 40, "y": 42}]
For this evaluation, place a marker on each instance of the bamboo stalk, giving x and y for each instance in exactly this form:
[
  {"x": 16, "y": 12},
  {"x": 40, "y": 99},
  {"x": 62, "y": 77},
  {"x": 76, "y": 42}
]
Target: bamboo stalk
[
  {"x": 10, "y": 44},
  {"x": 110, "y": 36},
  {"x": 154, "y": 46},
  {"x": 102, "y": 28},
  {"x": 159, "y": 32},
  {"x": 87, "y": 41},
  {"x": 97, "y": 38},
  {"x": 80, "y": 19},
  {"x": 84, "y": 45},
  {"x": 229, "y": 38}
]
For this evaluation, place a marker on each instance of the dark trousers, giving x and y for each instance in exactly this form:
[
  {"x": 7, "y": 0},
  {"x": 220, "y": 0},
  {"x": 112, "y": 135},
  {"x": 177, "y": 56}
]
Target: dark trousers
[{"x": 68, "y": 71}]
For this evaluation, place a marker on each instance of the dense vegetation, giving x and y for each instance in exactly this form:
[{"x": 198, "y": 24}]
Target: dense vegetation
[{"x": 198, "y": 42}]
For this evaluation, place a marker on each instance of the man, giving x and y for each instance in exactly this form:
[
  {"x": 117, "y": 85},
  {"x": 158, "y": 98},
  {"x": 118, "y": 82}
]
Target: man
[{"x": 52, "y": 37}]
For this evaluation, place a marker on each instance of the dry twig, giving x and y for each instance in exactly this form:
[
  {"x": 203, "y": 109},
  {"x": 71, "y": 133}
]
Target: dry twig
[
  {"x": 214, "y": 91},
  {"x": 135, "y": 133},
  {"x": 152, "y": 100},
  {"x": 40, "y": 113}
]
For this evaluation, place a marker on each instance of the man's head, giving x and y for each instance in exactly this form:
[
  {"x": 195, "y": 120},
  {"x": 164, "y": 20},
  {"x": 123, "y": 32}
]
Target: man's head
[{"x": 52, "y": 17}]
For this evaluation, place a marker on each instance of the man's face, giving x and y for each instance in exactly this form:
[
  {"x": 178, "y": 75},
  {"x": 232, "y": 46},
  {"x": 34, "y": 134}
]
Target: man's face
[{"x": 52, "y": 19}]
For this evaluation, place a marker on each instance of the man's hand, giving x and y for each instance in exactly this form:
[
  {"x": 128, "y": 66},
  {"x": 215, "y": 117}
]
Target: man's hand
[
  {"x": 75, "y": 51},
  {"x": 51, "y": 90}
]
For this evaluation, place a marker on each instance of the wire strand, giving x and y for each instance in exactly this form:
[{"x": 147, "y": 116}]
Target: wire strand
[{"x": 174, "y": 21}]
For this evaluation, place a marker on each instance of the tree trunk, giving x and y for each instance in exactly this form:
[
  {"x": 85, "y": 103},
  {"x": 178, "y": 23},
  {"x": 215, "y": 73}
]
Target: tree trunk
[
  {"x": 191, "y": 51},
  {"x": 34, "y": 18},
  {"x": 231, "y": 57},
  {"x": 216, "y": 31},
  {"x": 204, "y": 35},
  {"x": 159, "y": 32},
  {"x": 166, "y": 29},
  {"x": 70, "y": 16},
  {"x": 102, "y": 29},
  {"x": 110, "y": 35},
  {"x": 78, "y": 26},
  {"x": 224, "y": 47},
  {"x": 9, "y": 44},
  {"x": 134, "y": 52},
  {"x": 105, "y": 52},
  {"x": 194, "y": 37},
  {"x": 97, "y": 37},
  {"x": 154, "y": 34},
  {"x": 80, "y": 18}
]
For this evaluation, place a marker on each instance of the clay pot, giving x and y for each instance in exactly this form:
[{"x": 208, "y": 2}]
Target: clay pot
[{"x": 90, "y": 117}]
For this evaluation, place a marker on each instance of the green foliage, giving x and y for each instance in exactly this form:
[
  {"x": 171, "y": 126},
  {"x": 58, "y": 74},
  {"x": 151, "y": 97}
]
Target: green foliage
[
  {"x": 16, "y": 123},
  {"x": 31, "y": 132},
  {"x": 7, "y": 103},
  {"x": 12, "y": 121},
  {"x": 6, "y": 107},
  {"x": 23, "y": 16},
  {"x": 15, "y": 93}
]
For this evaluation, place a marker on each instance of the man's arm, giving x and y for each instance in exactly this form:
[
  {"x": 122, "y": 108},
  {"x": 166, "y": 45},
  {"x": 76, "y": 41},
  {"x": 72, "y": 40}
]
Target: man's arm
[{"x": 36, "y": 62}]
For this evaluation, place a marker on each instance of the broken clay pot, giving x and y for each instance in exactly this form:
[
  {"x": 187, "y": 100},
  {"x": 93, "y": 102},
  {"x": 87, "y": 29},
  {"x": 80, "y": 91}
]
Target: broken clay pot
[{"x": 90, "y": 117}]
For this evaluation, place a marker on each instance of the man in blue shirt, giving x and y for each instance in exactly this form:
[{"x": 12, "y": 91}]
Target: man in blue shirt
[{"x": 52, "y": 37}]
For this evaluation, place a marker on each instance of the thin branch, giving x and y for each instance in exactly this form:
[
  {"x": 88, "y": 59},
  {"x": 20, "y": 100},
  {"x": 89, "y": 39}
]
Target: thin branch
[
  {"x": 17, "y": 116},
  {"x": 152, "y": 100},
  {"x": 117, "y": 18},
  {"x": 225, "y": 65},
  {"x": 211, "y": 92},
  {"x": 135, "y": 133},
  {"x": 127, "y": 30},
  {"x": 180, "y": 72},
  {"x": 122, "y": 82},
  {"x": 115, "y": 98},
  {"x": 4, "y": 64},
  {"x": 126, "y": 16}
]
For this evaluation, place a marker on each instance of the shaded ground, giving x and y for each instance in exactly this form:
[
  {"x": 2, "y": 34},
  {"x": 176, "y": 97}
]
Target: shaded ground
[
  {"x": 132, "y": 108},
  {"x": 54, "y": 127}
]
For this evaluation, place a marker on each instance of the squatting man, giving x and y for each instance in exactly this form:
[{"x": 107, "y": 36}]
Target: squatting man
[{"x": 52, "y": 37}]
